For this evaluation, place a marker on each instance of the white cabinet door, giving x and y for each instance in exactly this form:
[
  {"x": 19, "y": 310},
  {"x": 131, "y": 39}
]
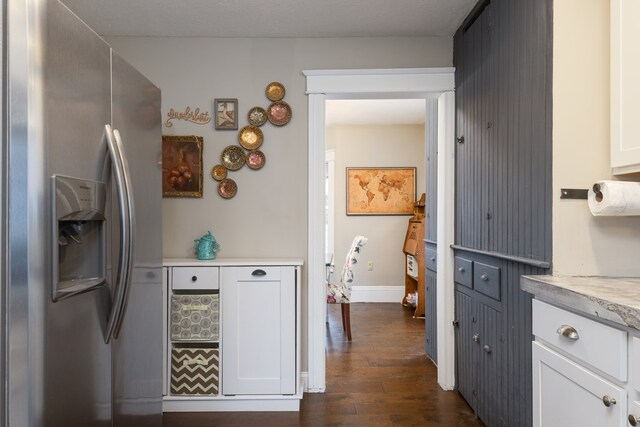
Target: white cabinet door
[
  {"x": 258, "y": 330},
  {"x": 566, "y": 394},
  {"x": 625, "y": 86}
]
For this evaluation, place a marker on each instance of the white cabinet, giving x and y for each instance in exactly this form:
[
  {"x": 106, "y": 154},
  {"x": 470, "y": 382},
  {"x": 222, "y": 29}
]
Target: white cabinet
[
  {"x": 232, "y": 331},
  {"x": 580, "y": 370},
  {"x": 561, "y": 387},
  {"x": 625, "y": 86},
  {"x": 259, "y": 329}
]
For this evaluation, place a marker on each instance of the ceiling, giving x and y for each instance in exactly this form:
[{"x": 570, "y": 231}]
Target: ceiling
[{"x": 273, "y": 18}]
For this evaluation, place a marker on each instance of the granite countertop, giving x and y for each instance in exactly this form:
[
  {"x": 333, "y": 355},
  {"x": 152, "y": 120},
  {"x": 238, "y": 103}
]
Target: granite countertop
[{"x": 616, "y": 299}]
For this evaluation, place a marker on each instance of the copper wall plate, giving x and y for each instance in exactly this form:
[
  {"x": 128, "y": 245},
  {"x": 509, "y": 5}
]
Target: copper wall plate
[
  {"x": 218, "y": 172},
  {"x": 275, "y": 91},
  {"x": 279, "y": 113},
  {"x": 250, "y": 137},
  {"x": 232, "y": 157},
  {"x": 257, "y": 116},
  {"x": 227, "y": 188},
  {"x": 255, "y": 159}
]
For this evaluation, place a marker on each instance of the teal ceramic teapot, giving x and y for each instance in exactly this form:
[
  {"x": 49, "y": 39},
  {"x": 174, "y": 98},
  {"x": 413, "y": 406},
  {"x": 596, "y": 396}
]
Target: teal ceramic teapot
[{"x": 206, "y": 246}]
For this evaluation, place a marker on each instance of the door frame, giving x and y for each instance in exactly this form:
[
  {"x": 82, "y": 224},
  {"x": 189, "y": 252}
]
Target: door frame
[{"x": 378, "y": 84}]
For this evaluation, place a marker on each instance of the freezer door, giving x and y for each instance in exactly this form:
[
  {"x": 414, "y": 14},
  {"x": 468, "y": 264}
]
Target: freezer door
[
  {"x": 76, "y": 106},
  {"x": 137, "y": 347}
]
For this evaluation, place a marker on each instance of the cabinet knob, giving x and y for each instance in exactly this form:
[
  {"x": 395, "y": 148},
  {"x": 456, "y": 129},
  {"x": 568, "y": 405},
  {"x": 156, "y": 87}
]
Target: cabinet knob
[
  {"x": 487, "y": 348},
  {"x": 484, "y": 277},
  {"x": 633, "y": 420},
  {"x": 460, "y": 139},
  {"x": 433, "y": 259},
  {"x": 568, "y": 332},
  {"x": 476, "y": 337},
  {"x": 461, "y": 269},
  {"x": 194, "y": 278},
  {"x": 608, "y": 400}
]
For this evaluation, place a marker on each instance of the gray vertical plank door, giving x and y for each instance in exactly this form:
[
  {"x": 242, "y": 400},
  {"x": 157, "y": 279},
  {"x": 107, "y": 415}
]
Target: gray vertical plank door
[
  {"x": 503, "y": 60},
  {"x": 466, "y": 363},
  {"x": 431, "y": 319}
]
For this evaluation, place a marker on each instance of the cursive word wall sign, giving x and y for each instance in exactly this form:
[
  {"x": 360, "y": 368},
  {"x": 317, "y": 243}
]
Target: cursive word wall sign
[{"x": 193, "y": 116}]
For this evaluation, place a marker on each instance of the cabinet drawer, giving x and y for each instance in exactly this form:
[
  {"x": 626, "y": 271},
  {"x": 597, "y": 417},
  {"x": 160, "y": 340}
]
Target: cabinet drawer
[
  {"x": 195, "y": 371},
  {"x": 464, "y": 272},
  {"x": 486, "y": 280},
  {"x": 195, "y": 278},
  {"x": 599, "y": 345},
  {"x": 431, "y": 259},
  {"x": 257, "y": 273},
  {"x": 194, "y": 318}
]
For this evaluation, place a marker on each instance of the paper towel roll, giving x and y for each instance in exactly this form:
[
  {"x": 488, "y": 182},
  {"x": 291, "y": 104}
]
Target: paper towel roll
[{"x": 614, "y": 198}]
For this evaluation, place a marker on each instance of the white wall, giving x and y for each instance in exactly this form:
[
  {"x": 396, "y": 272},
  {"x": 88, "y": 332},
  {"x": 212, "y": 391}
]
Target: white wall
[
  {"x": 374, "y": 146},
  {"x": 583, "y": 244},
  {"x": 268, "y": 217}
]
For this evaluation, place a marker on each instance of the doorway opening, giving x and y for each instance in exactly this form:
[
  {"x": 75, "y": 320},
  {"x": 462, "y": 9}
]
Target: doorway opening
[{"x": 422, "y": 84}]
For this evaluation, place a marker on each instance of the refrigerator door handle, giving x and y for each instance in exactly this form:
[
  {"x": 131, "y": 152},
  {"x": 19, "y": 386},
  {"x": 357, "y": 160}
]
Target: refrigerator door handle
[
  {"x": 124, "y": 251},
  {"x": 131, "y": 225}
]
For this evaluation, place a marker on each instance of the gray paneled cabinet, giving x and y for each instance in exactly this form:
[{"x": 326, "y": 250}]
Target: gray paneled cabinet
[{"x": 431, "y": 318}]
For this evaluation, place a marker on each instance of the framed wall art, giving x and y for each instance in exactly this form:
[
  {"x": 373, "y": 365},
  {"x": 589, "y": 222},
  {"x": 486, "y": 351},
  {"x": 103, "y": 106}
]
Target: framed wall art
[
  {"x": 181, "y": 166},
  {"x": 226, "y": 114},
  {"x": 381, "y": 191}
]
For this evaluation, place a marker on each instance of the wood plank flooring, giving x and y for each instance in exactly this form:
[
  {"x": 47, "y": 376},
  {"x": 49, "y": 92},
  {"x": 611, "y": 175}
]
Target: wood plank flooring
[{"x": 381, "y": 378}]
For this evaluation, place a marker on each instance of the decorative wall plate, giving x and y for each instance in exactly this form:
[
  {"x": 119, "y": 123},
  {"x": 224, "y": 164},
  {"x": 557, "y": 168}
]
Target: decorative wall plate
[
  {"x": 255, "y": 159},
  {"x": 250, "y": 137},
  {"x": 279, "y": 113},
  {"x": 218, "y": 172},
  {"x": 232, "y": 157},
  {"x": 257, "y": 116},
  {"x": 275, "y": 91},
  {"x": 227, "y": 188}
]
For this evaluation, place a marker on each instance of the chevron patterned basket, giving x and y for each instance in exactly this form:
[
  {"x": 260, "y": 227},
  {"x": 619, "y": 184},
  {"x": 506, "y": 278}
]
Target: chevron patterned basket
[
  {"x": 194, "y": 371},
  {"x": 194, "y": 318}
]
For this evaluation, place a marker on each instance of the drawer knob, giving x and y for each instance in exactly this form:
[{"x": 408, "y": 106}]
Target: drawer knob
[
  {"x": 633, "y": 420},
  {"x": 476, "y": 338},
  {"x": 194, "y": 278},
  {"x": 433, "y": 259},
  {"x": 608, "y": 401},
  {"x": 487, "y": 349},
  {"x": 568, "y": 332},
  {"x": 484, "y": 277},
  {"x": 461, "y": 269}
]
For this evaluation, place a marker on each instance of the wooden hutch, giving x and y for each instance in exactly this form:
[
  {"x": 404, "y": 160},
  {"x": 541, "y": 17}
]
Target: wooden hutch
[{"x": 415, "y": 264}]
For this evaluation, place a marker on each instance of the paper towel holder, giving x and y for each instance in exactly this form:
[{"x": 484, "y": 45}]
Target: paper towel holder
[{"x": 574, "y": 193}]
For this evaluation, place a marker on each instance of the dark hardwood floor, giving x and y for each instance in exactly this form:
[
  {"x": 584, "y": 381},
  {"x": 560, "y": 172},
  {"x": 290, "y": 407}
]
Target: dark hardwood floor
[{"x": 381, "y": 378}]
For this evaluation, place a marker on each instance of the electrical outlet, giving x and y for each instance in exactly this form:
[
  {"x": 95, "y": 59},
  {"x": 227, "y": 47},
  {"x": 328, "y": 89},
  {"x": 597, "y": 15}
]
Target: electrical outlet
[{"x": 370, "y": 266}]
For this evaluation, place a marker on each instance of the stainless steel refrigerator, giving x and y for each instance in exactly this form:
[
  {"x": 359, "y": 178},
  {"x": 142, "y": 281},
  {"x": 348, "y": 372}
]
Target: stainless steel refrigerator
[{"x": 81, "y": 233}]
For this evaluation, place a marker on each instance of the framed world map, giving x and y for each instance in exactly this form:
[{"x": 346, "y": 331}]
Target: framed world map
[{"x": 381, "y": 191}]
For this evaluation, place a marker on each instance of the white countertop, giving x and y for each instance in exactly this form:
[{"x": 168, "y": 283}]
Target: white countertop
[
  {"x": 226, "y": 262},
  {"x": 616, "y": 299}
]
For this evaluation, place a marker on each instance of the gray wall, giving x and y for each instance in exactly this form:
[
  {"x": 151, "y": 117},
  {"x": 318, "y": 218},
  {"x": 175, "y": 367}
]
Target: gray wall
[
  {"x": 375, "y": 146},
  {"x": 268, "y": 217}
]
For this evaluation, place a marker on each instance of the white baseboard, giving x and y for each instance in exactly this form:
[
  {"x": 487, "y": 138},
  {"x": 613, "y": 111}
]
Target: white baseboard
[{"x": 377, "y": 294}]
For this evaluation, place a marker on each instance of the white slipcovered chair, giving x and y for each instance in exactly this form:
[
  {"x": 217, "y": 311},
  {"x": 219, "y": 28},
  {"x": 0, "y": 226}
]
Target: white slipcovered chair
[{"x": 340, "y": 293}]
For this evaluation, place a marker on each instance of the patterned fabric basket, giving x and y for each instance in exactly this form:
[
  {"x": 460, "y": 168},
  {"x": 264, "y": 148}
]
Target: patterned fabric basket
[
  {"x": 194, "y": 371},
  {"x": 194, "y": 318}
]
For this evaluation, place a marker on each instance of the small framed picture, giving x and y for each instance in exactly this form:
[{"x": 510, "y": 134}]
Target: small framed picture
[
  {"x": 226, "y": 114},
  {"x": 181, "y": 166}
]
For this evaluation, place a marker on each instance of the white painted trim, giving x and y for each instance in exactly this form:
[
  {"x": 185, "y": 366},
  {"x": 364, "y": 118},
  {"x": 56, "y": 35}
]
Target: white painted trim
[
  {"x": 316, "y": 289},
  {"x": 377, "y": 294},
  {"x": 349, "y": 84},
  {"x": 330, "y": 160},
  {"x": 304, "y": 379},
  {"x": 446, "y": 237}
]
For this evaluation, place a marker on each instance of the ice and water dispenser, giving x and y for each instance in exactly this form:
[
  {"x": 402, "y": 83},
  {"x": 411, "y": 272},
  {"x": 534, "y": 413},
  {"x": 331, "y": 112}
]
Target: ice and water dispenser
[{"x": 79, "y": 236}]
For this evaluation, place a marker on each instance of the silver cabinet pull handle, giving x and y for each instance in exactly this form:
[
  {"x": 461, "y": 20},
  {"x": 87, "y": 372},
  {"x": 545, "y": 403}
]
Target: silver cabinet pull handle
[
  {"x": 608, "y": 401},
  {"x": 461, "y": 269},
  {"x": 484, "y": 277},
  {"x": 568, "y": 332},
  {"x": 487, "y": 348},
  {"x": 633, "y": 420}
]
